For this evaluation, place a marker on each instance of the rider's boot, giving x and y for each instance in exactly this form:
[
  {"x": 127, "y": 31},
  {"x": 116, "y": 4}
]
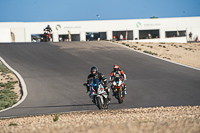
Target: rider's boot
[
  {"x": 113, "y": 94},
  {"x": 93, "y": 101},
  {"x": 125, "y": 90},
  {"x": 108, "y": 92}
]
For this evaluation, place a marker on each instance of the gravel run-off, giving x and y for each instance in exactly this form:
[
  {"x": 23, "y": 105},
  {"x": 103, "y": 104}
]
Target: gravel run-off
[{"x": 182, "y": 119}]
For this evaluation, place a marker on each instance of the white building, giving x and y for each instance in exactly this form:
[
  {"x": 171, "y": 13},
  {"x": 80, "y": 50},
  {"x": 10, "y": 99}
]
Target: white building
[{"x": 159, "y": 29}]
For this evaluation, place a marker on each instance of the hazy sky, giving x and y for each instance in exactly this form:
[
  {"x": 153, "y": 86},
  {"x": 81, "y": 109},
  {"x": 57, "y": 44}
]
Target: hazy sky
[{"x": 76, "y": 10}]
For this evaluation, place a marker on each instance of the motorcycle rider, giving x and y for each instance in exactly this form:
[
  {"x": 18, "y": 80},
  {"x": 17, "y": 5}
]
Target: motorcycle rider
[
  {"x": 48, "y": 29},
  {"x": 100, "y": 76},
  {"x": 116, "y": 70}
]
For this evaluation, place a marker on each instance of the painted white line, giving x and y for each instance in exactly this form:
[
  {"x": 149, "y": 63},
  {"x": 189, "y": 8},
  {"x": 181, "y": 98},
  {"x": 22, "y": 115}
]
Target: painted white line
[
  {"x": 156, "y": 56},
  {"x": 22, "y": 83}
]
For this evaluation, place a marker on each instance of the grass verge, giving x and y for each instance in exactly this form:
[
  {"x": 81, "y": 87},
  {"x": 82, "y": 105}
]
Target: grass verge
[{"x": 7, "y": 96}]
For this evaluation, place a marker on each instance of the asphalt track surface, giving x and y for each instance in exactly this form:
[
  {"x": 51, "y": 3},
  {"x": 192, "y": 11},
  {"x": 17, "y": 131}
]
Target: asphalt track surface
[{"x": 55, "y": 72}]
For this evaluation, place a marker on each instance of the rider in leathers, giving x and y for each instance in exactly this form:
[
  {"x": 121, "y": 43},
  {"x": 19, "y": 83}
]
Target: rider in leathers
[
  {"x": 47, "y": 35},
  {"x": 116, "y": 70},
  {"x": 100, "y": 76},
  {"x": 48, "y": 28}
]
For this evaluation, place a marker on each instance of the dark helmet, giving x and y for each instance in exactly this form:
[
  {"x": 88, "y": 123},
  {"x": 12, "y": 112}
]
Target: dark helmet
[
  {"x": 116, "y": 67},
  {"x": 93, "y": 69}
]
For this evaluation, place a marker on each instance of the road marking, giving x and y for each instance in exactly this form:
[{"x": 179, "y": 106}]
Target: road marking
[{"x": 22, "y": 83}]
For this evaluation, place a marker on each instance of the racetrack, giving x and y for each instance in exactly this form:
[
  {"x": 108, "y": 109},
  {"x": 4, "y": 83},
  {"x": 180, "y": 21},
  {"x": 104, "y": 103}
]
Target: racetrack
[{"x": 54, "y": 74}]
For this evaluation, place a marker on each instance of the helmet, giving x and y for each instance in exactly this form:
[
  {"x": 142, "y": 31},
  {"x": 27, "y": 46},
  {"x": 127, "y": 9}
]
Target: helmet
[
  {"x": 116, "y": 67},
  {"x": 93, "y": 69}
]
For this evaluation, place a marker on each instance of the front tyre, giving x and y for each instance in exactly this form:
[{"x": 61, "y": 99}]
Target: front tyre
[
  {"x": 99, "y": 103},
  {"x": 120, "y": 97},
  {"x": 105, "y": 103}
]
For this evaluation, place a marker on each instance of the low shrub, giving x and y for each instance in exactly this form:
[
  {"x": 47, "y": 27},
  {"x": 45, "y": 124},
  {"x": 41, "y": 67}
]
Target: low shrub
[
  {"x": 13, "y": 124},
  {"x": 134, "y": 46},
  {"x": 189, "y": 48},
  {"x": 4, "y": 69},
  {"x": 56, "y": 117},
  {"x": 149, "y": 52},
  {"x": 7, "y": 96},
  {"x": 154, "y": 54}
]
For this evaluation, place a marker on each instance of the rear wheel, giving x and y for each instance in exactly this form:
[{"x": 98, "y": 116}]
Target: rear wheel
[{"x": 120, "y": 97}]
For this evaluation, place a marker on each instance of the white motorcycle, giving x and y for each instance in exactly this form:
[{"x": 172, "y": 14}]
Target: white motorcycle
[{"x": 98, "y": 94}]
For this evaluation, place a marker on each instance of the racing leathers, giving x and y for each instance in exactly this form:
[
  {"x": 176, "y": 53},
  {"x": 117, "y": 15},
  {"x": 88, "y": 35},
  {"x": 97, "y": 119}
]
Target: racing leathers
[
  {"x": 121, "y": 74},
  {"x": 48, "y": 28},
  {"x": 101, "y": 77}
]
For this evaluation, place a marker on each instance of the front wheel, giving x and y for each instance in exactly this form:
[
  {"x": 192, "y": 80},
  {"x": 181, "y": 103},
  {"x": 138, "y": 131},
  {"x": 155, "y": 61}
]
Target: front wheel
[
  {"x": 106, "y": 103},
  {"x": 120, "y": 96},
  {"x": 99, "y": 103}
]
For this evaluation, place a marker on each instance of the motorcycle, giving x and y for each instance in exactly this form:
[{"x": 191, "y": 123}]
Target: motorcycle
[
  {"x": 118, "y": 89},
  {"x": 98, "y": 94},
  {"x": 47, "y": 35}
]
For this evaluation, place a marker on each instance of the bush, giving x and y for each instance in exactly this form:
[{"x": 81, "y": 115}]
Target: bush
[
  {"x": 7, "y": 98},
  {"x": 159, "y": 45},
  {"x": 56, "y": 117},
  {"x": 164, "y": 46},
  {"x": 139, "y": 49},
  {"x": 13, "y": 124},
  {"x": 154, "y": 54},
  {"x": 4, "y": 69},
  {"x": 149, "y": 52},
  {"x": 9, "y": 84}
]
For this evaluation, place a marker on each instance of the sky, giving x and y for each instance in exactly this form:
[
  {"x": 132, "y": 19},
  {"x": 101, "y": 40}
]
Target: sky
[{"x": 83, "y": 10}]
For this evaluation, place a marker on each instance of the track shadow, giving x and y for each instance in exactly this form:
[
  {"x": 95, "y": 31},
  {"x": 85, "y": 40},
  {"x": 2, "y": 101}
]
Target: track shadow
[{"x": 61, "y": 106}]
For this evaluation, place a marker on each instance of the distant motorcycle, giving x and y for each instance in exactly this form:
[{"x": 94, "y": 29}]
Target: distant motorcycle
[
  {"x": 47, "y": 35},
  {"x": 118, "y": 89},
  {"x": 98, "y": 94}
]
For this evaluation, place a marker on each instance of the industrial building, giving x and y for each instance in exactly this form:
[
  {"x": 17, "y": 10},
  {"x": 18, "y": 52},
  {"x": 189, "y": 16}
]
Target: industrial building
[{"x": 136, "y": 30}]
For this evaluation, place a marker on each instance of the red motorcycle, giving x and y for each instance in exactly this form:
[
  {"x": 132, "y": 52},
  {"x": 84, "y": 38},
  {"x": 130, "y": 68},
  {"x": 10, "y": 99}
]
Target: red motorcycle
[
  {"x": 118, "y": 89},
  {"x": 47, "y": 35}
]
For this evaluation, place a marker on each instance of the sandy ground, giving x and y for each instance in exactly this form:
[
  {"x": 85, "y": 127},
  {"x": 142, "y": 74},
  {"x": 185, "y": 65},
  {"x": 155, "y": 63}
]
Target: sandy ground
[
  {"x": 183, "y": 53},
  {"x": 156, "y": 120}
]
